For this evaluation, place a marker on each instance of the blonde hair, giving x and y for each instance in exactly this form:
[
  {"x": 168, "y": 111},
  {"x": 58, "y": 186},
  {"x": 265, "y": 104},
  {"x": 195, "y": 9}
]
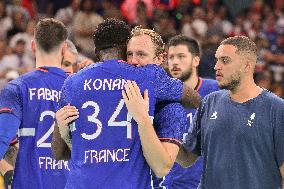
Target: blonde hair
[{"x": 155, "y": 38}]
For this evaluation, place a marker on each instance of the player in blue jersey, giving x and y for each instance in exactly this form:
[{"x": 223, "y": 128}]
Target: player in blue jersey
[
  {"x": 7, "y": 164},
  {"x": 183, "y": 61},
  {"x": 239, "y": 130},
  {"x": 146, "y": 47},
  {"x": 106, "y": 143},
  {"x": 28, "y": 103}
]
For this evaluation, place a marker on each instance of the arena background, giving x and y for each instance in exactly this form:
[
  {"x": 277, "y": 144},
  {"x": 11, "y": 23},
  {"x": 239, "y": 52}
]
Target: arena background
[{"x": 207, "y": 21}]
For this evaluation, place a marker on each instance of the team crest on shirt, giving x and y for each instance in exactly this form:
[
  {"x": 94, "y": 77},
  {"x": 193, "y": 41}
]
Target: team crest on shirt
[
  {"x": 250, "y": 121},
  {"x": 214, "y": 115}
]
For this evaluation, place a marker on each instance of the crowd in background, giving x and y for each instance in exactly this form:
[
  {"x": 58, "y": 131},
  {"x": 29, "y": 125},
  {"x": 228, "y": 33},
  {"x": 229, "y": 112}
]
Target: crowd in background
[{"x": 207, "y": 21}]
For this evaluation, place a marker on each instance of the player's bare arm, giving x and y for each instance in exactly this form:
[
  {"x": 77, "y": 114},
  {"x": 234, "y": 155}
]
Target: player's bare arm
[
  {"x": 190, "y": 98},
  {"x": 6, "y": 170},
  {"x": 11, "y": 154},
  {"x": 184, "y": 158},
  {"x": 61, "y": 142},
  {"x": 160, "y": 156}
]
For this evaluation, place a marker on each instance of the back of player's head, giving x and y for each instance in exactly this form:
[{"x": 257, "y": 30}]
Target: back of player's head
[
  {"x": 111, "y": 35},
  {"x": 71, "y": 47},
  {"x": 191, "y": 44},
  {"x": 49, "y": 34},
  {"x": 155, "y": 38},
  {"x": 244, "y": 45}
]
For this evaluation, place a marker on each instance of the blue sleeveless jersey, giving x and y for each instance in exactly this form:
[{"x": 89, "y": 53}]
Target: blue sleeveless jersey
[
  {"x": 32, "y": 98},
  {"x": 188, "y": 178},
  {"x": 106, "y": 148}
]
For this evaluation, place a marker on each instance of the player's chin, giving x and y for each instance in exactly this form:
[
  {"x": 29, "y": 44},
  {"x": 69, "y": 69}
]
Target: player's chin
[
  {"x": 221, "y": 85},
  {"x": 176, "y": 74}
]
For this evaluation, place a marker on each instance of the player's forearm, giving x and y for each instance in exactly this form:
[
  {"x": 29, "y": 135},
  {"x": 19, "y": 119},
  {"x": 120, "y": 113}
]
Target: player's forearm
[
  {"x": 5, "y": 166},
  {"x": 154, "y": 152},
  {"x": 11, "y": 154},
  {"x": 59, "y": 147},
  {"x": 185, "y": 159},
  {"x": 9, "y": 124},
  {"x": 190, "y": 98},
  {"x": 7, "y": 171}
]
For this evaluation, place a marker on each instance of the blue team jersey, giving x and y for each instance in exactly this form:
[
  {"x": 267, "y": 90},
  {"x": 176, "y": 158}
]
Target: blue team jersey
[
  {"x": 32, "y": 98},
  {"x": 242, "y": 143},
  {"x": 106, "y": 148},
  {"x": 187, "y": 178}
]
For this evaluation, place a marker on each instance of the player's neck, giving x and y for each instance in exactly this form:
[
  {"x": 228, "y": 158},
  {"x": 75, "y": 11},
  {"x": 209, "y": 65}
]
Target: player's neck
[
  {"x": 48, "y": 60},
  {"x": 246, "y": 91},
  {"x": 192, "y": 81}
]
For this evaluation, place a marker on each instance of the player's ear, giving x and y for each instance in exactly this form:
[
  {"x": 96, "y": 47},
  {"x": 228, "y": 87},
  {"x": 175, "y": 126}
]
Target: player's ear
[
  {"x": 64, "y": 48},
  {"x": 195, "y": 61},
  {"x": 247, "y": 66},
  {"x": 160, "y": 59},
  {"x": 33, "y": 46}
]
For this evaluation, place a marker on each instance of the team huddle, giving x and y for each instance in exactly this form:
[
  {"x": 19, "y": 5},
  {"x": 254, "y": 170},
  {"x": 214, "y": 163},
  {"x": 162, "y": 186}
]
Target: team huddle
[{"x": 135, "y": 119}]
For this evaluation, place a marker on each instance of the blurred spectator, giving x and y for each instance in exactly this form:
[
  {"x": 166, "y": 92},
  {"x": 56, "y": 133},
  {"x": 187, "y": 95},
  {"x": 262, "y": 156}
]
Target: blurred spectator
[
  {"x": 30, "y": 6},
  {"x": 129, "y": 9},
  {"x": 66, "y": 14},
  {"x": 19, "y": 24},
  {"x": 5, "y": 21},
  {"x": 110, "y": 10},
  {"x": 186, "y": 28},
  {"x": 207, "y": 62},
  {"x": 269, "y": 29},
  {"x": 18, "y": 60},
  {"x": 264, "y": 79},
  {"x": 238, "y": 27},
  {"x": 223, "y": 18},
  {"x": 11, "y": 75},
  {"x": 84, "y": 23},
  {"x": 275, "y": 58},
  {"x": 165, "y": 26},
  {"x": 165, "y": 4},
  {"x": 198, "y": 24},
  {"x": 26, "y": 36},
  {"x": 142, "y": 18},
  {"x": 278, "y": 89}
]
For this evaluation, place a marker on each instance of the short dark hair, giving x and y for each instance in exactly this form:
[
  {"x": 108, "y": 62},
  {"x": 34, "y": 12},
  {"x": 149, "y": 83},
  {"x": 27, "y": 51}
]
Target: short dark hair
[
  {"x": 243, "y": 44},
  {"x": 49, "y": 34},
  {"x": 112, "y": 33},
  {"x": 192, "y": 44}
]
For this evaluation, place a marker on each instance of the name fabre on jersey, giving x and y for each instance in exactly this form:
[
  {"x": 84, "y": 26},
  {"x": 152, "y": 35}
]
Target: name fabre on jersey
[
  {"x": 106, "y": 156},
  {"x": 44, "y": 94},
  {"x": 104, "y": 84},
  {"x": 50, "y": 163}
]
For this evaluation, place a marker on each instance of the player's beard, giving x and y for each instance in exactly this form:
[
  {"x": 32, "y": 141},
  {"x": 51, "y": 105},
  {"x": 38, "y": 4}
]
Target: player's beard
[
  {"x": 233, "y": 83},
  {"x": 186, "y": 74}
]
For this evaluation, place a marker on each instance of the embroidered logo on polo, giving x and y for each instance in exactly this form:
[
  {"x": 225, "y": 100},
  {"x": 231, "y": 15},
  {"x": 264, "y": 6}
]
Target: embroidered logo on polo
[
  {"x": 214, "y": 115},
  {"x": 250, "y": 121}
]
